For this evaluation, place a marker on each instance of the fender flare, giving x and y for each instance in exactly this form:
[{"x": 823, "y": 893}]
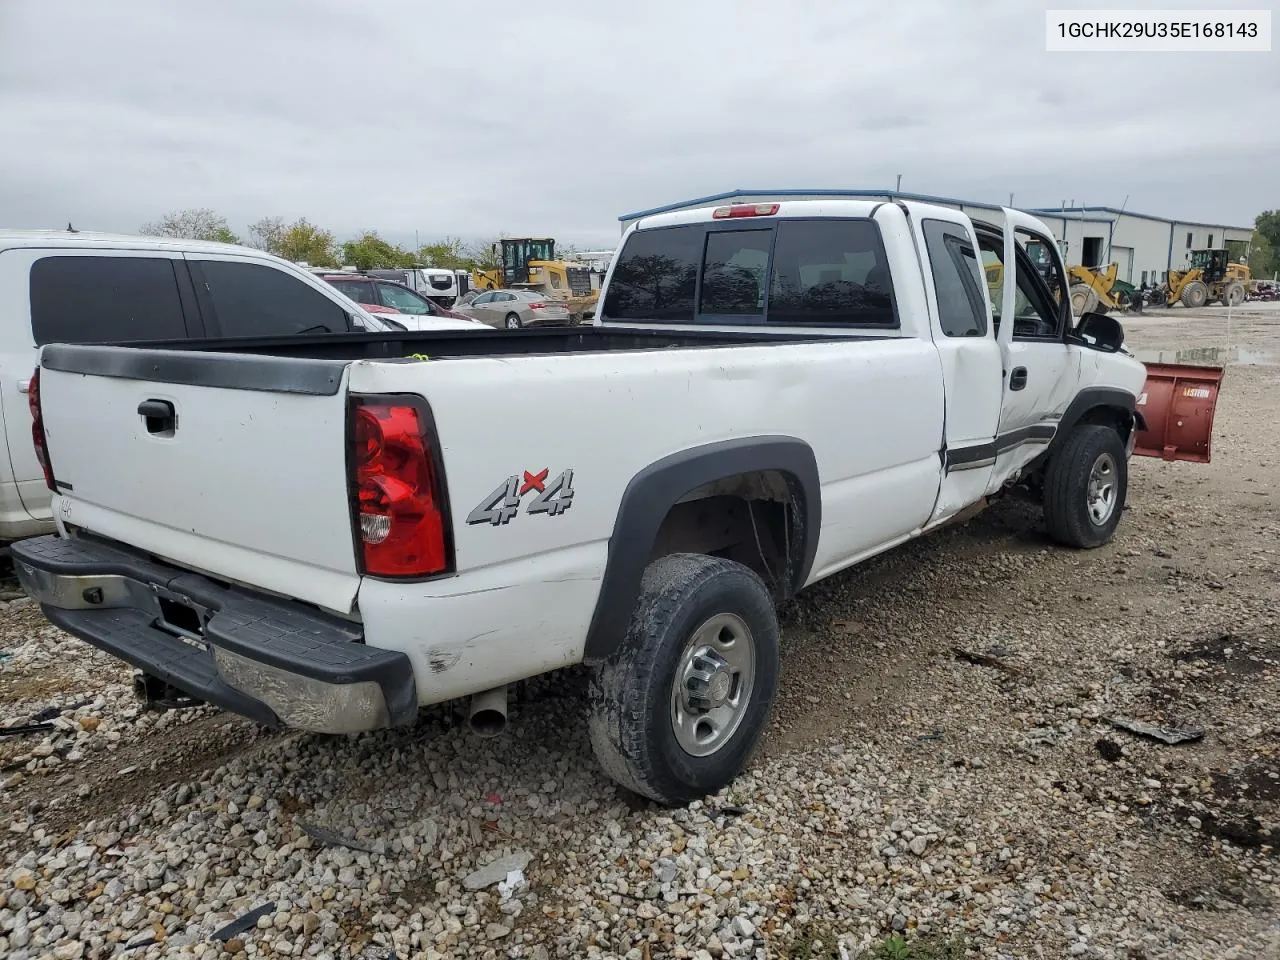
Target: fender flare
[
  {"x": 658, "y": 487},
  {"x": 1092, "y": 398}
]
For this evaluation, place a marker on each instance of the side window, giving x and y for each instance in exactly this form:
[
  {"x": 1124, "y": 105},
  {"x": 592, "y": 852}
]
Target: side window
[
  {"x": 733, "y": 273},
  {"x": 656, "y": 275},
  {"x": 254, "y": 300},
  {"x": 1036, "y": 315},
  {"x": 105, "y": 299},
  {"x": 956, "y": 279},
  {"x": 481, "y": 300},
  {"x": 829, "y": 272},
  {"x": 357, "y": 290},
  {"x": 406, "y": 301}
]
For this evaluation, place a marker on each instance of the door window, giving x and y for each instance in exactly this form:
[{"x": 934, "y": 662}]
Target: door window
[
  {"x": 253, "y": 300},
  {"x": 957, "y": 282},
  {"x": 1036, "y": 315},
  {"x": 105, "y": 299}
]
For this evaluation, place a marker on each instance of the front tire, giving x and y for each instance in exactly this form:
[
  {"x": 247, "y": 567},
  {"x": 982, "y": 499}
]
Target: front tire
[
  {"x": 677, "y": 710},
  {"x": 1083, "y": 299},
  {"x": 1085, "y": 486},
  {"x": 1195, "y": 295}
]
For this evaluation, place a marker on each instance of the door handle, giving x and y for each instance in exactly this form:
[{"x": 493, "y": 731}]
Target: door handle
[
  {"x": 1018, "y": 378},
  {"x": 160, "y": 417},
  {"x": 24, "y": 387}
]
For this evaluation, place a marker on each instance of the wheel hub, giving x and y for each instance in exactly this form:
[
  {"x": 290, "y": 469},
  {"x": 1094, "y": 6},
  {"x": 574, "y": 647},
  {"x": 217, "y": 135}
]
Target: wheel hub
[
  {"x": 1102, "y": 489},
  {"x": 712, "y": 686},
  {"x": 709, "y": 680}
]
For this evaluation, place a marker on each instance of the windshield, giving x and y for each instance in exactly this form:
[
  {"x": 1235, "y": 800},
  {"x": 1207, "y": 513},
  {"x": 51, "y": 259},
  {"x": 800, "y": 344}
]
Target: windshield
[{"x": 542, "y": 250}]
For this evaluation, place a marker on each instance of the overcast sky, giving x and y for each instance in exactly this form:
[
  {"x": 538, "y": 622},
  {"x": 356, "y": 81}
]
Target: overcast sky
[{"x": 551, "y": 118}]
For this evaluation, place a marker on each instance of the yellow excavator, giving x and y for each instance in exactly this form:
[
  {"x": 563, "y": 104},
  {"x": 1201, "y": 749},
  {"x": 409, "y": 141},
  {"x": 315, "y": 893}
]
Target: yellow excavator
[
  {"x": 530, "y": 263},
  {"x": 1213, "y": 277}
]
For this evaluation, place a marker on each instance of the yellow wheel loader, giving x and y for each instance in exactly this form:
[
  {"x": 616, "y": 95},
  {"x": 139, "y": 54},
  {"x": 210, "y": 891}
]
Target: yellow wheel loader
[
  {"x": 530, "y": 264},
  {"x": 1213, "y": 278}
]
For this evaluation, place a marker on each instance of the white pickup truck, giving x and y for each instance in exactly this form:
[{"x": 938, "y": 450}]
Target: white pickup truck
[{"x": 328, "y": 534}]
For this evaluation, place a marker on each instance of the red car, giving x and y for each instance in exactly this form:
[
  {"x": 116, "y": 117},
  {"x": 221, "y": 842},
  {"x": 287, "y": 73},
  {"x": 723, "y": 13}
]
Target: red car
[{"x": 388, "y": 297}]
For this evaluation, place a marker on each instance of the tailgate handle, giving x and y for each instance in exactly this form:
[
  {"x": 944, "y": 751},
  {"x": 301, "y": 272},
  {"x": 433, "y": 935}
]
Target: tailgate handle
[{"x": 160, "y": 417}]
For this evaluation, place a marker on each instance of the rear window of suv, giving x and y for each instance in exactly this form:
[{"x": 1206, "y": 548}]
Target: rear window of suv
[
  {"x": 82, "y": 299},
  {"x": 799, "y": 272}
]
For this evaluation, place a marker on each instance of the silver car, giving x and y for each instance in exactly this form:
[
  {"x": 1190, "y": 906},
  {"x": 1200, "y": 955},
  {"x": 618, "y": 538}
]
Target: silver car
[{"x": 513, "y": 309}]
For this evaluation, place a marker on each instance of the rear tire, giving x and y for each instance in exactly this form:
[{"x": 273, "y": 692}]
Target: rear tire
[
  {"x": 1233, "y": 296},
  {"x": 513, "y": 321},
  {"x": 1195, "y": 295},
  {"x": 677, "y": 710},
  {"x": 1085, "y": 486}
]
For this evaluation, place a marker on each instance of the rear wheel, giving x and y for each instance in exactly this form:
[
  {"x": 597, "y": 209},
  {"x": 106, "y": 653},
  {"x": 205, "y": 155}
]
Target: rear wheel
[
  {"x": 677, "y": 710},
  {"x": 1085, "y": 485},
  {"x": 1233, "y": 295},
  {"x": 1195, "y": 294},
  {"x": 513, "y": 321}
]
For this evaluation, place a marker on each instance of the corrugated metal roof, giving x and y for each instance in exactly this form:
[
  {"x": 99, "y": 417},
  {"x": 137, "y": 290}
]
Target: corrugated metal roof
[{"x": 1130, "y": 213}]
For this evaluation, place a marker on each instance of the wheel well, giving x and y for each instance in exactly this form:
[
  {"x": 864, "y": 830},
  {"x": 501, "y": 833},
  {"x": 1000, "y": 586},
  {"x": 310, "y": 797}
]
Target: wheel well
[
  {"x": 756, "y": 519},
  {"x": 1117, "y": 418}
]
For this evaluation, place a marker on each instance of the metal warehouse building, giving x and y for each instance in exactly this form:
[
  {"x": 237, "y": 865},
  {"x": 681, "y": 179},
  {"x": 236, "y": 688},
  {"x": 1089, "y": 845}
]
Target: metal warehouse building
[{"x": 1144, "y": 248}]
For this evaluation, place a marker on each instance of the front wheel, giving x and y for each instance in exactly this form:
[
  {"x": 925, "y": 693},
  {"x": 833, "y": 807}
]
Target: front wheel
[
  {"x": 1085, "y": 486},
  {"x": 677, "y": 710}
]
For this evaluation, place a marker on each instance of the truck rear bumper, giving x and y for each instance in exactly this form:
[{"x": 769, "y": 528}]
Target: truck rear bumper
[{"x": 273, "y": 661}]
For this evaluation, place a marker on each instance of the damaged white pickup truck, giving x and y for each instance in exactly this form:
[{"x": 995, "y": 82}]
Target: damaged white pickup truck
[{"x": 328, "y": 532}]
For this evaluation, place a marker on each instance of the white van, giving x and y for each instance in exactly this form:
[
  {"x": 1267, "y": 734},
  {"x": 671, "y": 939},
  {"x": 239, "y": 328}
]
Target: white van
[
  {"x": 72, "y": 287},
  {"x": 441, "y": 286}
]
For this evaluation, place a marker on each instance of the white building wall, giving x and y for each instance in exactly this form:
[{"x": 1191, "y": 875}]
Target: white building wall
[{"x": 1149, "y": 240}]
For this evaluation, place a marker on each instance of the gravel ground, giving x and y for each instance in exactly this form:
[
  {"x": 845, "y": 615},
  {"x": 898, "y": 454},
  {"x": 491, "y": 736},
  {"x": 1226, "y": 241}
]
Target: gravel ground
[{"x": 987, "y": 807}]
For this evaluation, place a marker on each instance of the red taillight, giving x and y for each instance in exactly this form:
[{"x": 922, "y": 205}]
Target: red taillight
[
  {"x": 745, "y": 210},
  {"x": 37, "y": 430},
  {"x": 538, "y": 306},
  {"x": 398, "y": 500}
]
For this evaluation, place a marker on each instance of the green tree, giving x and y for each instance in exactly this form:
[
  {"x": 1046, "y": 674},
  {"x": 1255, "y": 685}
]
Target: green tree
[
  {"x": 486, "y": 256},
  {"x": 197, "y": 223},
  {"x": 448, "y": 253},
  {"x": 301, "y": 241},
  {"x": 1263, "y": 261},
  {"x": 370, "y": 252},
  {"x": 1264, "y": 254}
]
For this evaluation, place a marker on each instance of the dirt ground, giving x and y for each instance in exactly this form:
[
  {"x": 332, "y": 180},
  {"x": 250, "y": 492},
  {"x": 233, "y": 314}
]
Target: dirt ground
[{"x": 1130, "y": 847}]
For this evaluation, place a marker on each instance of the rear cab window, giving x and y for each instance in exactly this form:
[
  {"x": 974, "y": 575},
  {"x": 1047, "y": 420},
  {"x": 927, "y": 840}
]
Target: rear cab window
[
  {"x": 88, "y": 299},
  {"x": 813, "y": 272}
]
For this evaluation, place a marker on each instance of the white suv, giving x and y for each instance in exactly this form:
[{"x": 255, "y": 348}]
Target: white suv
[{"x": 69, "y": 287}]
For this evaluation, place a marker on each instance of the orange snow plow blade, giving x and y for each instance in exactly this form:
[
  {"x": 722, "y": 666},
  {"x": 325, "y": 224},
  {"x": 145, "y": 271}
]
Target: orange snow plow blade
[{"x": 1177, "y": 404}]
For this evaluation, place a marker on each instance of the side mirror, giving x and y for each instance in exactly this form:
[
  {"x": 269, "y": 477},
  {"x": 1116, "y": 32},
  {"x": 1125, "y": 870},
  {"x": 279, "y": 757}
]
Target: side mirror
[{"x": 1099, "y": 332}]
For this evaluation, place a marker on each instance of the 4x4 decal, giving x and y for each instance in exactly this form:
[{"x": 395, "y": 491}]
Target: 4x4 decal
[{"x": 553, "y": 498}]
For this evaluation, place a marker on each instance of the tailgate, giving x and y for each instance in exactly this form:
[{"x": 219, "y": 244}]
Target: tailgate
[{"x": 231, "y": 465}]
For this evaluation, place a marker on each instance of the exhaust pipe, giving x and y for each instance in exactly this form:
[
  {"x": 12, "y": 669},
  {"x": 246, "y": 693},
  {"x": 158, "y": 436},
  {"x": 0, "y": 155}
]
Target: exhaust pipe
[{"x": 488, "y": 714}]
